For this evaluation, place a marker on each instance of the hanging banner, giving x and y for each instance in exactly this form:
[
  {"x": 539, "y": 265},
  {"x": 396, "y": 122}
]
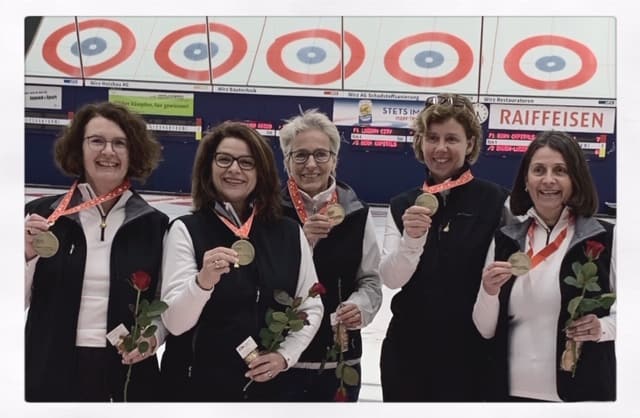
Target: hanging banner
[
  {"x": 152, "y": 103},
  {"x": 42, "y": 97}
]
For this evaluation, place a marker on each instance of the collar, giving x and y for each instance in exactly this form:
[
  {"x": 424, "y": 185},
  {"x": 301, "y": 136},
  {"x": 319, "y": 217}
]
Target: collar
[
  {"x": 321, "y": 198},
  {"x": 430, "y": 180},
  {"x": 563, "y": 220}
]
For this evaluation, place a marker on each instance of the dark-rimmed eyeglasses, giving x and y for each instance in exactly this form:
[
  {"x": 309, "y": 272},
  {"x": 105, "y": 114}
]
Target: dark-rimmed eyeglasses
[
  {"x": 224, "y": 160},
  {"x": 320, "y": 156},
  {"x": 99, "y": 143}
]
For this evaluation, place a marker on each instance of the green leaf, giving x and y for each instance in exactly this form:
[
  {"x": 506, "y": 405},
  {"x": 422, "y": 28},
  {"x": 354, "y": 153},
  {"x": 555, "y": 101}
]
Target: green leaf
[
  {"x": 266, "y": 337},
  {"x": 573, "y": 305},
  {"x": 593, "y": 286},
  {"x": 278, "y": 338},
  {"x": 143, "y": 321},
  {"x": 143, "y": 347},
  {"x": 149, "y": 331},
  {"x": 296, "y": 325},
  {"x": 280, "y": 317},
  {"x": 607, "y": 299},
  {"x": 580, "y": 277},
  {"x": 156, "y": 308},
  {"x": 350, "y": 376},
  {"x": 291, "y": 314},
  {"x": 282, "y": 297},
  {"x": 129, "y": 344},
  {"x": 267, "y": 317},
  {"x": 576, "y": 267},
  {"x": 571, "y": 281},
  {"x": 339, "y": 370},
  {"x": 588, "y": 305},
  {"x": 589, "y": 269},
  {"x": 276, "y": 327},
  {"x": 144, "y": 305}
]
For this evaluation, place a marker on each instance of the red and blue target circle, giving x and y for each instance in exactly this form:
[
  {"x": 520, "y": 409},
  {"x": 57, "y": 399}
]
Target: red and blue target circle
[
  {"x": 465, "y": 59},
  {"x": 127, "y": 40},
  {"x": 552, "y": 63},
  {"x": 312, "y": 55},
  {"x": 163, "y": 59}
]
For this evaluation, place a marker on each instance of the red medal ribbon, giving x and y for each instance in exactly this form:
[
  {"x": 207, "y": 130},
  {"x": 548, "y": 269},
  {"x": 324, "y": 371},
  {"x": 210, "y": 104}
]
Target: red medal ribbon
[
  {"x": 465, "y": 178},
  {"x": 62, "y": 210},
  {"x": 551, "y": 248},
  {"x": 243, "y": 231},
  {"x": 296, "y": 198}
]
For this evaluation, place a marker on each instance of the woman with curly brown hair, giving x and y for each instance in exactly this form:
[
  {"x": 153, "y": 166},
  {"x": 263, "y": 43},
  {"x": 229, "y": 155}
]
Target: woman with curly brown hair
[{"x": 81, "y": 249}]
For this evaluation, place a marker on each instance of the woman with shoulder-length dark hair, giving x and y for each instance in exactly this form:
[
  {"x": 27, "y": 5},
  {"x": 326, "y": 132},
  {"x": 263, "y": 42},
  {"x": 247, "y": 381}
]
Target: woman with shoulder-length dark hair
[
  {"x": 81, "y": 250},
  {"x": 221, "y": 266},
  {"x": 524, "y": 302}
]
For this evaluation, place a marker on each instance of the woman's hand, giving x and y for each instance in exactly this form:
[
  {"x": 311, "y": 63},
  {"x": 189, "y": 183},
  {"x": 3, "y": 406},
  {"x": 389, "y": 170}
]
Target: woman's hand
[
  {"x": 495, "y": 275},
  {"x": 136, "y": 356},
  {"x": 33, "y": 225},
  {"x": 266, "y": 366},
  {"x": 349, "y": 315},
  {"x": 416, "y": 221},
  {"x": 215, "y": 263},
  {"x": 316, "y": 228},
  {"x": 586, "y": 328}
]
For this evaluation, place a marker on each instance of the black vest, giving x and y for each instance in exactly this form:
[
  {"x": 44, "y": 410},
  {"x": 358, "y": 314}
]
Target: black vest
[
  {"x": 431, "y": 331},
  {"x": 52, "y": 321},
  {"x": 235, "y": 311},
  {"x": 336, "y": 257},
  {"x": 595, "y": 374}
]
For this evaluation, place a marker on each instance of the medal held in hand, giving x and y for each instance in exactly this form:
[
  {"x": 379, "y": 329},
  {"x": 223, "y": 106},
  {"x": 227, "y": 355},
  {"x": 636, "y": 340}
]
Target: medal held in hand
[
  {"x": 429, "y": 201},
  {"x": 520, "y": 263},
  {"x": 45, "y": 244},
  {"x": 336, "y": 213},
  {"x": 245, "y": 250}
]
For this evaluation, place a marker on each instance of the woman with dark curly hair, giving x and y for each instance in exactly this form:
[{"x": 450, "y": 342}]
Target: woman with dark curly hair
[
  {"x": 81, "y": 249},
  {"x": 221, "y": 266}
]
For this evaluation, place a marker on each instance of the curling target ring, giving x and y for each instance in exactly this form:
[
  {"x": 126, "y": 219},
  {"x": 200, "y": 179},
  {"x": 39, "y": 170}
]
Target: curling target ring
[
  {"x": 465, "y": 59},
  {"x": 514, "y": 71},
  {"x": 238, "y": 51},
  {"x": 278, "y": 66},
  {"x": 50, "y": 47}
]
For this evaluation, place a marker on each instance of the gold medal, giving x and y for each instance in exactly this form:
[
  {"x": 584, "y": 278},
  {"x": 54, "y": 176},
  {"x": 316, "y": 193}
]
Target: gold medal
[
  {"x": 245, "y": 251},
  {"x": 520, "y": 263},
  {"x": 429, "y": 201},
  {"x": 45, "y": 244},
  {"x": 336, "y": 213}
]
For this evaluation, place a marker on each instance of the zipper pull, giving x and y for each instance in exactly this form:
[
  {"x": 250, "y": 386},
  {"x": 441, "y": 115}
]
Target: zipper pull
[
  {"x": 257, "y": 295},
  {"x": 72, "y": 247},
  {"x": 103, "y": 225}
]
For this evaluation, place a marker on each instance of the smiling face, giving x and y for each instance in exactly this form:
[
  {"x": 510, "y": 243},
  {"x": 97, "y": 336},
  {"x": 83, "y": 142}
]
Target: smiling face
[
  {"x": 107, "y": 168},
  {"x": 444, "y": 148},
  {"x": 233, "y": 183},
  {"x": 548, "y": 183},
  {"x": 311, "y": 176}
]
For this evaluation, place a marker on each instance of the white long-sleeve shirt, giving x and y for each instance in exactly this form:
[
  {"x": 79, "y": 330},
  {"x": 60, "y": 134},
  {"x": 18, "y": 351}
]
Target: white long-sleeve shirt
[
  {"x": 400, "y": 254},
  {"x": 94, "y": 300},
  {"x": 186, "y": 299},
  {"x": 534, "y": 307}
]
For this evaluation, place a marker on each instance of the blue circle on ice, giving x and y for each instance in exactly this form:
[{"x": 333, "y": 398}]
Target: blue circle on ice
[
  {"x": 429, "y": 59},
  {"x": 90, "y": 46},
  {"x": 311, "y": 54},
  {"x": 551, "y": 63}
]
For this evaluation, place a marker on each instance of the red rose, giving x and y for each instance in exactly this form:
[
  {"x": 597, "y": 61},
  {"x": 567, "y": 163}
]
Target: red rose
[
  {"x": 317, "y": 289},
  {"x": 341, "y": 395},
  {"x": 140, "y": 280},
  {"x": 593, "y": 249}
]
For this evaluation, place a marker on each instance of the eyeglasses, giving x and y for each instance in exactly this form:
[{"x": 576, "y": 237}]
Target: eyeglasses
[
  {"x": 320, "y": 156},
  {"x": 98, "y": 143},
  {"x": 224, "y": 160},
  {"x": 455, "y": 101}
]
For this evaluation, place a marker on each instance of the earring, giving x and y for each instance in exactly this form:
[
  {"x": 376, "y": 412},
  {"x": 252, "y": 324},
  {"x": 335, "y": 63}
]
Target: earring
[{"x": 526, "y": 189}]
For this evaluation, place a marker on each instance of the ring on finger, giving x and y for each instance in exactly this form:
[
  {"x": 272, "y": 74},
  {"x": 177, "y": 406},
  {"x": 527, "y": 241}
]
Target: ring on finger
[
  {"x": 269, "y": 374},
  {"x": 29, "y": 231}
]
